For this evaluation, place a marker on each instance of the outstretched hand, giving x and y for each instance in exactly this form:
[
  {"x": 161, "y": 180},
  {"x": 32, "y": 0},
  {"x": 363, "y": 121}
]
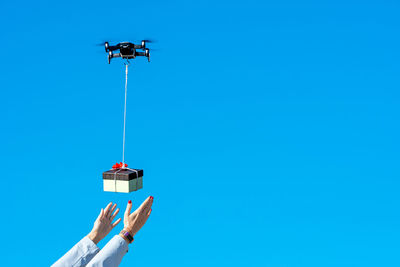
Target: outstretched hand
[
  {"x": 103, "y": 224},
  {"x": 134, "y": 221}
]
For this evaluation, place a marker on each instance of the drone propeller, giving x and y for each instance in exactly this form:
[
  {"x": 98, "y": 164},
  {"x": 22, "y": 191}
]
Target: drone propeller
[
  {"x": 105, "y": 45},
  {"x": 150, "y": 41},
  {"x": 102, "y": 43}
]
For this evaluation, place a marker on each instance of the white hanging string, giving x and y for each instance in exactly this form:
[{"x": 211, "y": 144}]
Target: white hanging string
[
  {"x": 123, "y": 138},
  {"x": 126, "y": 92}
]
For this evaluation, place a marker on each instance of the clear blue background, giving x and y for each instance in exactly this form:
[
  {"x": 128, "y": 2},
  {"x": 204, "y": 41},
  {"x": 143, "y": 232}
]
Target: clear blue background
[{"x": 268, "y": 130}]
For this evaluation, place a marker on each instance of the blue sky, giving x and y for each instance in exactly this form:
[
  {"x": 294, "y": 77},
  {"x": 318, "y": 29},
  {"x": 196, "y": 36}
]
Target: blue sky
[{"x": 267, "y": 130}]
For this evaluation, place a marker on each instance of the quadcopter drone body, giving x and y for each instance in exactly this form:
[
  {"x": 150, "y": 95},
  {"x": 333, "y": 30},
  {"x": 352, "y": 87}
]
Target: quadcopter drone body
[{"x": 127, "y": 50}]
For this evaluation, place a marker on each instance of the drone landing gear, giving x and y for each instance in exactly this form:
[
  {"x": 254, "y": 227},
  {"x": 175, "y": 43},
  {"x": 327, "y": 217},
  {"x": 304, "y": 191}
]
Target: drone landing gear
[{"x": 112, "y": 55}]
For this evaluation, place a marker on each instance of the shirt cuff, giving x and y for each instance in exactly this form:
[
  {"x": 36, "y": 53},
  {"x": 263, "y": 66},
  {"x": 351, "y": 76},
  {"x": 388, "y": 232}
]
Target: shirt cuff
[
  {"x": 89, "y": 244},
  {"x": 122, "y": 243}
]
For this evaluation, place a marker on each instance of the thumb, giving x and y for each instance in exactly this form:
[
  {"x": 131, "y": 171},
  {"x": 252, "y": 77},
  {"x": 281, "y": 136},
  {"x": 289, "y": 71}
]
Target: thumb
[{"x": 128, "y": 208}]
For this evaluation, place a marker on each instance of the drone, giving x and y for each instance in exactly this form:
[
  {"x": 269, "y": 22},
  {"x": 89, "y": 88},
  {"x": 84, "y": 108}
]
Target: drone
[{"x": 127, "y": 50}]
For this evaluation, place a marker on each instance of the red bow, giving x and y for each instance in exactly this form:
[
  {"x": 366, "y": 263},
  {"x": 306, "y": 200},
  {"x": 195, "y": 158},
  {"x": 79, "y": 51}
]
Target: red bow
[{"x": 119, "y": 165}]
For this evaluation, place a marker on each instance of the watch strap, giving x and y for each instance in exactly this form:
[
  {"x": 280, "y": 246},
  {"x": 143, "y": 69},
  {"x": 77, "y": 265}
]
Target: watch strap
[{"x": 127, "y": 235}]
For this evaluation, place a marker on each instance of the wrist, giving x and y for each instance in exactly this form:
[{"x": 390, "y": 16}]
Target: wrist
[
  {"x": 94, "y": 237},
  {"x": 126, "y": 235},
  {"x": 129, "y": 230}
]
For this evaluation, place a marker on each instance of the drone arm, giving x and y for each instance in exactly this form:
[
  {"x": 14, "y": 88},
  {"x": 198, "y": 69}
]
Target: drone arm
[
  {"x": 111, "y": 55},
  {"x": 113, "y": 47},
  {"x": 144, "y": 54}
]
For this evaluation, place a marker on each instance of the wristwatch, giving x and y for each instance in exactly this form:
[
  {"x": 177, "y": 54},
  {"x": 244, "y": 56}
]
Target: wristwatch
[{"x": 127, "y": 235}]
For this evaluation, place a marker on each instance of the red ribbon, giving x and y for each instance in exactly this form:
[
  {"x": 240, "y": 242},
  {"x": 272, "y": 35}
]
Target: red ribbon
[{"x": 119, "y": 165}]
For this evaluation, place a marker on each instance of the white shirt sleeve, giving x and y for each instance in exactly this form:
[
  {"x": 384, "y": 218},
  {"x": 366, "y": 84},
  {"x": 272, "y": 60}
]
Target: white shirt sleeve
[
  {"x": 112, "y": 254},
  {"x": 79, "y": 255}
]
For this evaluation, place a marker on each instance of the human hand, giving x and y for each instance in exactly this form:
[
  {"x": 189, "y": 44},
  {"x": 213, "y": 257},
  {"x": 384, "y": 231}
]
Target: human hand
[
  {"x": 103, "y": 224},
  {"x": 133, "y": 222}
]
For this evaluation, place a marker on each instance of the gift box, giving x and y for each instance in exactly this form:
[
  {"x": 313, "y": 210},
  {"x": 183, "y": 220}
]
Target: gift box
[{"x": 122, "y": 180}]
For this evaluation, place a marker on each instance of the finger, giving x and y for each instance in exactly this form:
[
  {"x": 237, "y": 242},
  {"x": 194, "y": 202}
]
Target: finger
[
  {"x": 146, "y": 210},
  {"x": 128, "y": 208},
  {"x": 107, "y": 209},
  {"x": 116, "y": 222},
  {"x": 115, "y": 214},
  {"x": 148, "y": 205},
  {"x": 111, "y": 210},
  {"x": 145, "y": 204},
  {"x": 148, "y": 214}
]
